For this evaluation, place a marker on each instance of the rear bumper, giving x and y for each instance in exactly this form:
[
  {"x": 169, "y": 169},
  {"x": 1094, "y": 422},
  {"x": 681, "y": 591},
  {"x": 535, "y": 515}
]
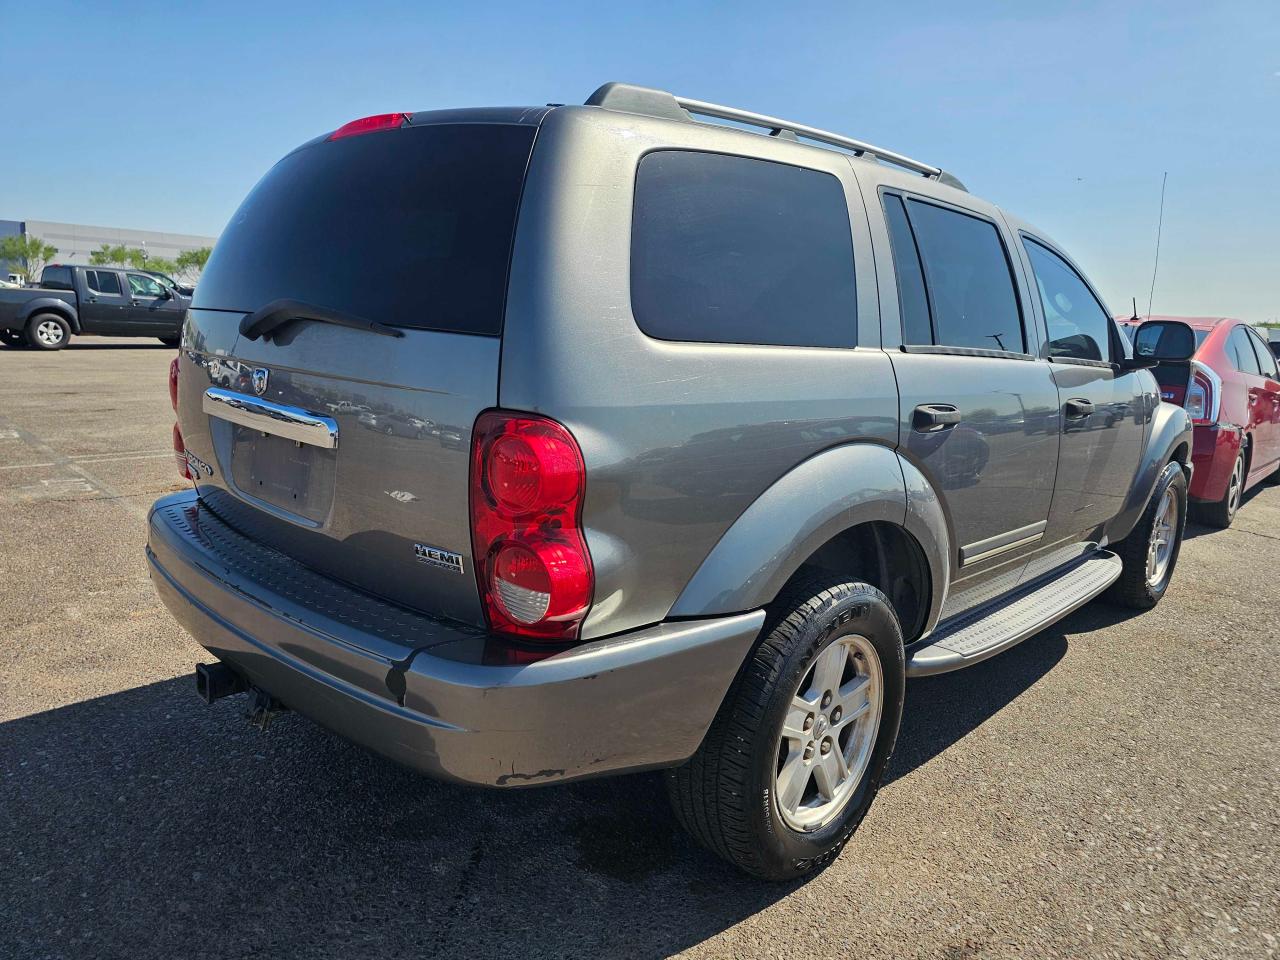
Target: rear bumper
[
  {"x": 419, "y": 690},
  {"x": 1213, "y": 454}
]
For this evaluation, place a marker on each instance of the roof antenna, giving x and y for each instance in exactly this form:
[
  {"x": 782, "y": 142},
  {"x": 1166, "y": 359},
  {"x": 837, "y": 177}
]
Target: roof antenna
[
  {"x": 1159, "y": 228},
  {"x": 1134, "y": 318}
]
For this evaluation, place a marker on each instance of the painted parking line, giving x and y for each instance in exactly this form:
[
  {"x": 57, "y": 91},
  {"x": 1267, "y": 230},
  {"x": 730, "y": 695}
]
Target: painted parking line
[{"x": 88, "y": 459}]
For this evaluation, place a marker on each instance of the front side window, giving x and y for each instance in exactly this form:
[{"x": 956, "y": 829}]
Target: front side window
[
  {"x": 1079, "y": 328},
  {"x": 972, "y": 301},
  {"x": 1241, "y": 353},
  {"x": 104, "y": 282},
  {"x": 144, "y": 286},
  {"x": 730, "y": 249}
]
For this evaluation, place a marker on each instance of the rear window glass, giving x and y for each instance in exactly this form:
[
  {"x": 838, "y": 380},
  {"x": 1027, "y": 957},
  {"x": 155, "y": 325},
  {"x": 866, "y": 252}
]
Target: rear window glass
[
  {"x": 103, "y": 281},
  {"x": 410, "y": 227},
  {"x": 734, "y": 250},
  {"x": 56, "y": 278}
]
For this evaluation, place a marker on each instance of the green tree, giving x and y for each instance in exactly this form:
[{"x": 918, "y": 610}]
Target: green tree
[
  {"x": 109, "y": 256},
  {"x": 161, "y": 265},
  {"x": 191, "y": 262},
  {"x": 26, "y": 254}
]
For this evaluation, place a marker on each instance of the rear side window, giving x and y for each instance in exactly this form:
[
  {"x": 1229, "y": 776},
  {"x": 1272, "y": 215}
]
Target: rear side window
[
  {"x": 1241, "y": 352},
  {"x": 1079, "y": 329},
  {"x": 912, "y": 299},
  {"x": 971, "y": 297},
  {"x": 735, "y": 250},
  {"x": 56, "y": 278},
  {"x": 409, "y": 227},
  {"x": 1266, "y": 359},
  {"x": 103, "y": 281}
]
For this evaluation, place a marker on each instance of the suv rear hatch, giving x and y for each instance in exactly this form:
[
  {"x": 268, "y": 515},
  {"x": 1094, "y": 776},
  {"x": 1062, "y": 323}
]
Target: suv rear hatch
[{"x": 343, "y": 447}]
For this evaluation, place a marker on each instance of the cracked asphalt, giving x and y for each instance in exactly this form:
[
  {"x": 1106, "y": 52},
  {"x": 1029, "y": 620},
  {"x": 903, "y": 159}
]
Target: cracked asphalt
[{"x": 1109, "y": 788}]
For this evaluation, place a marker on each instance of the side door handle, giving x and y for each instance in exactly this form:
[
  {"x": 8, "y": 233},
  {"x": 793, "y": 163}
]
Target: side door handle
[
  {"x": 931, "y": 417},
  {"x": 1078, "y": 409}
]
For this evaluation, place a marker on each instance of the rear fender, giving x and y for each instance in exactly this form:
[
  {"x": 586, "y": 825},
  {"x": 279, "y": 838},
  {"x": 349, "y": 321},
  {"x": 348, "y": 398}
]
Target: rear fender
[
  {"x": 822, "y": 497},
  {"x": 1170, "y": 427},
  {"x": 50, "y": 305}
]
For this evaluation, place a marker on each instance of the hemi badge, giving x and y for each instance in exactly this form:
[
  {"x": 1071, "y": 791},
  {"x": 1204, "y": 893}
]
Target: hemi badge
[{"x": 444, "y": 559}]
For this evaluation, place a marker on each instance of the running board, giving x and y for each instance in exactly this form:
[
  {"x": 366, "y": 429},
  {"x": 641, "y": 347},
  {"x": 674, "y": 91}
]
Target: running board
[{"x": 982, "y": 633}]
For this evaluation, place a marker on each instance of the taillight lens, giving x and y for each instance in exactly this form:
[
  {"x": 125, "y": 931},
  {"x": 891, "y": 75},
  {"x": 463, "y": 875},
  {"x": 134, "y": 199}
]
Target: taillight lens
[
  {"x": 381, "y": 121},
  {"x": 1201, "y": 395},
  {"x": 532, "y": 564}
]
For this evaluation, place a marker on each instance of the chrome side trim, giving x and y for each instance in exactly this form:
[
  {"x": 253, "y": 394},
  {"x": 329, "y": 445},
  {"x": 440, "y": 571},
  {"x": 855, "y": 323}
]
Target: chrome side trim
[
  {"x": 1002, "y": 543},
  {"x": 292, "y": 423}
]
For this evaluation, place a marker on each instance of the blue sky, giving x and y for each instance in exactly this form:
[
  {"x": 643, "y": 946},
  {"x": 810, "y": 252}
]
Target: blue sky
[{"x": 162, "y": 115}]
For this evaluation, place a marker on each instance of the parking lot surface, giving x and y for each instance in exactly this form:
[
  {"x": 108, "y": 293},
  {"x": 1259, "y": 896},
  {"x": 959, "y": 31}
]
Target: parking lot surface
[{"x": 1109, "y": 788}]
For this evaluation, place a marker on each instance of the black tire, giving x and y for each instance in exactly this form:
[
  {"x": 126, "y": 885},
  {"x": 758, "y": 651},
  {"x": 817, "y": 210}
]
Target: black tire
[
  {"x": 725, "y": 794},
  {"x": 1135, "y": 589},
  {"x": 1220, "y": 513},
  {"x": 13, "y": 338},
  {"x": 41, "y": 332},
  {"x": 169, "y": 341}
]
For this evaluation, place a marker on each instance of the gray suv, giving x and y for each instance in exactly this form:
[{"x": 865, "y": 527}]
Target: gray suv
[{"x": 719, "y": 434}]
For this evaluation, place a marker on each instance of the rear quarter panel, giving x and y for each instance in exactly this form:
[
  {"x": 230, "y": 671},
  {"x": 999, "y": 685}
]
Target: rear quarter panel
[{"x": 679, "y": 439}]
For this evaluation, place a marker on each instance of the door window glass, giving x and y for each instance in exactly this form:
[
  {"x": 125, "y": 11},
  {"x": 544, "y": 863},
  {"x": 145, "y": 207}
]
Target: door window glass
[
  {"x": 913, "y": 302},
  {"x": 104, "y": 282},
  {"x": 1078, "y": 326},
  {"x": 1241, "y": 353},
  {"x": 970, "y": 283},
  {"x": 736, "y": 250},
  {"x": 1266, "y": 359},
  {"x": 144, "y": 286}
]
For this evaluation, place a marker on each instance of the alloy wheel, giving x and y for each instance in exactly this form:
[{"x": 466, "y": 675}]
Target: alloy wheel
[
  {"x": 829, "y": 733},
  {"x": 49, "y": 333},
  {"x": 1164, "y": 533}
]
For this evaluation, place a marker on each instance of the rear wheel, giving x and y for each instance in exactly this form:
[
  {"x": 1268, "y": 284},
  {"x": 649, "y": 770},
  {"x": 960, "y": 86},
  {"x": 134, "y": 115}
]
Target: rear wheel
[
  {"x": 13, "y": 338},
  {"x": 794, "y": 758},
  {"x": 48, "y": 331},
  {"x": 169, "y": 341},
  {"x": 1221, "y": 512},
  {"x": 1150, "y": 552}
]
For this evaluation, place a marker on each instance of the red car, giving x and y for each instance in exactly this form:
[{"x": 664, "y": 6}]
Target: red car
[{"x": 1231, "y": 388}]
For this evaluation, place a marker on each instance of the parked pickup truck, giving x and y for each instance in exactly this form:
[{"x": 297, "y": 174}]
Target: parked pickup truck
[
  {"x": 90, "y": 300},
  {"x": 729, "y": 435}
]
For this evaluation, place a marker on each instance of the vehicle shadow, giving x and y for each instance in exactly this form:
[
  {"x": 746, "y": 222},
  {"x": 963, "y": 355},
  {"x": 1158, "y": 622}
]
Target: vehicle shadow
[{"x": 145, "y": 824}]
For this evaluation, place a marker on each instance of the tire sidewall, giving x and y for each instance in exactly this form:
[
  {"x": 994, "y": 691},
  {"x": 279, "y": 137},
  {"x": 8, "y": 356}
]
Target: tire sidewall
[
  {"x": 857, "y": 609},
  {"x": 34, "y": 340}
]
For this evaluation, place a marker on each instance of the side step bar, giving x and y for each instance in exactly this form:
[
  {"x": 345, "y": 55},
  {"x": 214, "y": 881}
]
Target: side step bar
[{"x": 982, "y": 633}]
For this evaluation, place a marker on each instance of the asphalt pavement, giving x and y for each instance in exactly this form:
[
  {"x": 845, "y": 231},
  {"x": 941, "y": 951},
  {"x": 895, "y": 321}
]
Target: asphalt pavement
[{"x": 1109, "y": 788}]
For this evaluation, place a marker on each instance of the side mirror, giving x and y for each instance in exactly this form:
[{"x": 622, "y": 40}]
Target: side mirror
[
  {"x": 166, "y": 292},
  {"x": 1161, "y": 340}
]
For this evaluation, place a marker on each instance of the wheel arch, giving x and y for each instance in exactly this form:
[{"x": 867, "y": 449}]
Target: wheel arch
[
  {"x": 33, "y": 308},
  {"x": 1168, "y": 439},
  {"x": 857, "y": 508}
]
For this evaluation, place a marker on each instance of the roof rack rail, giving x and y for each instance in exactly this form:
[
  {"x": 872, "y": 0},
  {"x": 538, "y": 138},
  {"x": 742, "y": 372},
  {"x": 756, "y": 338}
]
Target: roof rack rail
[{"x": 658, "y": 103}]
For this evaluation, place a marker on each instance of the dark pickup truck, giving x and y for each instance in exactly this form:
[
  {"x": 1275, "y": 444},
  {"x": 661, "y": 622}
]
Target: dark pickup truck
[{"x": 90, "y": 300}]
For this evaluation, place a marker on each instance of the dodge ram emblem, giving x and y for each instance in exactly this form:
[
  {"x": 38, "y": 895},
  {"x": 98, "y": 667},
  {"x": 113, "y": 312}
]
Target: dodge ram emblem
[{"x": 260, "y": 375}]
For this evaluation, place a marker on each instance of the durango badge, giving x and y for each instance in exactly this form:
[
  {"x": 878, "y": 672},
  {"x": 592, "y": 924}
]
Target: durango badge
[
  {"x": 260, "y": 375},
  {"x": 436, "y": 557}
]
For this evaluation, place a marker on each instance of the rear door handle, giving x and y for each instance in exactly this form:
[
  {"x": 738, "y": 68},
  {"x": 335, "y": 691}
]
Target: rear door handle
[
  {"x": 930, "y": 417},
  {"x": 1078, "y": 408}
]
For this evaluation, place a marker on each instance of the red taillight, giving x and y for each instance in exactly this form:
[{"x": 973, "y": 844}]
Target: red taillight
[
  {"x": 180, "y": 454},
  {"x": 1201, "y": 397},
  {"x": 173, "y": 383},
  {"x": 532, "y": 564},
  {"x": 382, "y": 121}
]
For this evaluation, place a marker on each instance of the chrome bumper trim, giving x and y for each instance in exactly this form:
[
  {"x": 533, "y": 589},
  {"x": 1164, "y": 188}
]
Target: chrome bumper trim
[{"x": 292, "y": 423}]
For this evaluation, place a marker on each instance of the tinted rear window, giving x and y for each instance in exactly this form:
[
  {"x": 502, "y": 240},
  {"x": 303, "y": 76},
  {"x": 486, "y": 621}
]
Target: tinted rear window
[
  {"x": 56, "y": 278},
  {"x": 734, "y": 250},
  {"x": 410, "y": 227}
]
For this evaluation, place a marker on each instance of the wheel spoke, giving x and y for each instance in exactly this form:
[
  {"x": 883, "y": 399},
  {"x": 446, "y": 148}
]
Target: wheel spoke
[
  {"x": 793, "y": 725},
  {"x": 829, "y": 669},
  {"x": 792, "y": 779},
  {"x": 855, "y": 700},
  {"x": 826, "y": 774}
]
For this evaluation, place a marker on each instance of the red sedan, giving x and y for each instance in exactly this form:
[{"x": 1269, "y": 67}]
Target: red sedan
[{"x": 1231, "y": 388}]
